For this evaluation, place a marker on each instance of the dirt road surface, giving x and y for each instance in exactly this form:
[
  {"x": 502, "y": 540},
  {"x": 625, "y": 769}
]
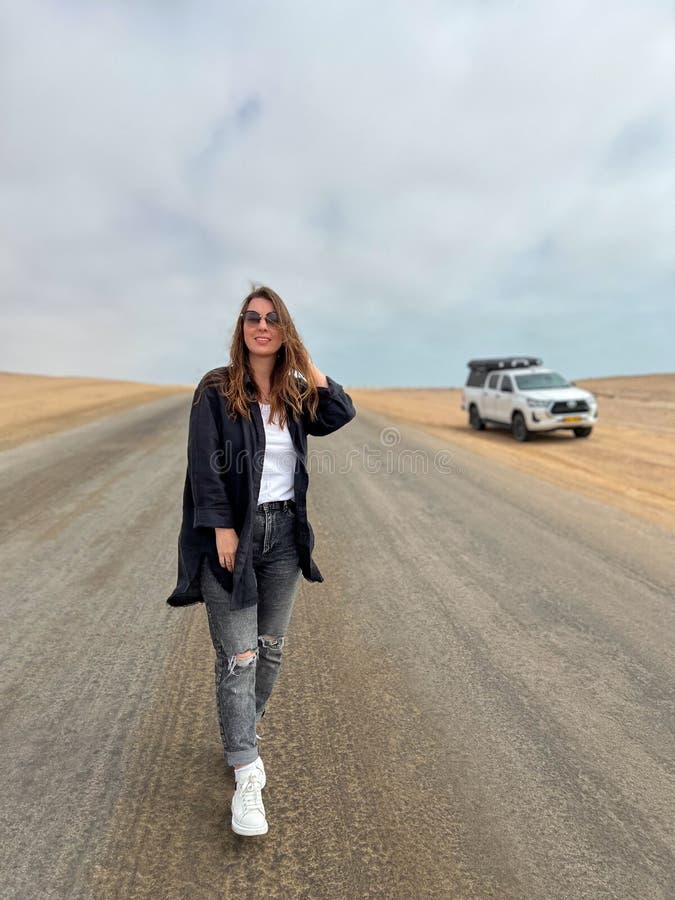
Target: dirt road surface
[{"x": 478, "y": 701}]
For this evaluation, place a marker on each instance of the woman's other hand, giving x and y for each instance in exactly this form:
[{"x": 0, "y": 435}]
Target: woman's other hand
[
  {"x": 226, "y": 544},
  {"x": 319, "y": 377}
]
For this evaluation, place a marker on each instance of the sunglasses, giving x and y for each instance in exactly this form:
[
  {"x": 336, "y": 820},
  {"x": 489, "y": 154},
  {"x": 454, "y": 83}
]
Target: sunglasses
[{"x": 252, "y": 317}]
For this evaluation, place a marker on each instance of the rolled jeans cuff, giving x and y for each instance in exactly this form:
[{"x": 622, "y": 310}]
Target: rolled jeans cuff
[{"x": 241, "y": 757}]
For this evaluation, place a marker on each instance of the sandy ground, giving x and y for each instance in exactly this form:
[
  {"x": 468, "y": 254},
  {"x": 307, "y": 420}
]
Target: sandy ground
[
  {"x": 33, "y": 406},
  {"x": 628, "y": 462},
  {"x": 476, "y": 703}
]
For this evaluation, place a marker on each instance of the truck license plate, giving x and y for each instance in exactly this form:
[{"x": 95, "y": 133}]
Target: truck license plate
[{"x": 572, "y": 419}]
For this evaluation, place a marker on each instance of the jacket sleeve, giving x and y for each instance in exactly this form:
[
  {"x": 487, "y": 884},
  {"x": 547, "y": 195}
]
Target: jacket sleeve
[
  {"x": 335, "y": 409},
  {"x": 205, "y": 453}
]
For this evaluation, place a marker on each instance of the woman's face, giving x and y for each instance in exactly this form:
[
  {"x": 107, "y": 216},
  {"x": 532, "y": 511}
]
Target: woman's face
[{"x": 260, "y": 338}]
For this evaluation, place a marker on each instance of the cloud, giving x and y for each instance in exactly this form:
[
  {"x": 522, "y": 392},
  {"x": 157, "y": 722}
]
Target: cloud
[{"x": 482, "y": 169}]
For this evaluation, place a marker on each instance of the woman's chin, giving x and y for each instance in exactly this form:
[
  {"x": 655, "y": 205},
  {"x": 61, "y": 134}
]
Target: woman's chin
[{"x": 263, "y": 352}]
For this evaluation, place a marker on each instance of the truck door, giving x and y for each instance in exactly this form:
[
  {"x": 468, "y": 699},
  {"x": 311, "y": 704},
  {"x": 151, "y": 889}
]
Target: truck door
[
  {"x": 489, "y": 391},
  {"x": 503, "y": 400}
]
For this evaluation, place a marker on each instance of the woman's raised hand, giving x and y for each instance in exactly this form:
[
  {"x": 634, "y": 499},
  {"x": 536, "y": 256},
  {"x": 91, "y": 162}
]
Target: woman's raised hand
[
  {"x": 319, "y": 377},
  {"x": 227, "y": 541}
]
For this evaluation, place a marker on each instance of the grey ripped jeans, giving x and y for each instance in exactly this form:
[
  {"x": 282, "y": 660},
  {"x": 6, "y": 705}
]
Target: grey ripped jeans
[{"x": 243, "y": 686}]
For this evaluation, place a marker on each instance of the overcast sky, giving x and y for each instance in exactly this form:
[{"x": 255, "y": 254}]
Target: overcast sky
[{"x": 422, "y": 183}]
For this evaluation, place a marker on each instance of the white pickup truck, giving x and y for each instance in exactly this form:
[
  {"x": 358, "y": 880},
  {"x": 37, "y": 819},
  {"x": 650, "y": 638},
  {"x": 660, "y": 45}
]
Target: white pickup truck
[{"x": 520, "y": 394}]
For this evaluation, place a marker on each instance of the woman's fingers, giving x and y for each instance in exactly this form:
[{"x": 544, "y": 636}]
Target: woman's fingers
[{"x": 227, "y": 551}]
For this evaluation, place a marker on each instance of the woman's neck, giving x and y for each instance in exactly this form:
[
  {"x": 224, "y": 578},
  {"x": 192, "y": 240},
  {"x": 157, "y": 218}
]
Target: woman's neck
[{"x": 261, "y": 371}]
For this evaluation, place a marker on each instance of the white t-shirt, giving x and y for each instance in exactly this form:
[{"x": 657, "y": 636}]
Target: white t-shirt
[{"x": 279, "y": 464}]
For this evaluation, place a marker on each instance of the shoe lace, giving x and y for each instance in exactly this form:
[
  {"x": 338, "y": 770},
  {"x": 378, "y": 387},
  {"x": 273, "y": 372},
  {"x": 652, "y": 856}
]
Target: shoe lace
[{"x": 251, "y": 796}]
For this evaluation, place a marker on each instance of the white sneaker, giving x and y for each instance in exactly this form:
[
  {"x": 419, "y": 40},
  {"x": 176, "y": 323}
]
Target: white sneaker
[
  {"x": 248, "y": 812},
  {"x": 260, "y": 768}
]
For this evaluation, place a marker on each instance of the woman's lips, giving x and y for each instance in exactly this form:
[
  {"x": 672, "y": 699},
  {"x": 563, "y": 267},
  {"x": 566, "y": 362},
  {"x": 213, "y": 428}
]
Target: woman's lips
[{"x": 263, "y": 340}]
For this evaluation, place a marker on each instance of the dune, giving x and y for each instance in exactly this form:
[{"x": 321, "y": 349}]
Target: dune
[{"x": 33, "y": 406}]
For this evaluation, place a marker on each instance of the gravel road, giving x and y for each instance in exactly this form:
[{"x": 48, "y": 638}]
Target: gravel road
[{"x": 478, "y": 701}]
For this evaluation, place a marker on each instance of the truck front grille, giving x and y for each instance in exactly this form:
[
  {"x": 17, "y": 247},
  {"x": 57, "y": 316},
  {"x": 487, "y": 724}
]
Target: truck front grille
[{"x": 563, "y": 406}]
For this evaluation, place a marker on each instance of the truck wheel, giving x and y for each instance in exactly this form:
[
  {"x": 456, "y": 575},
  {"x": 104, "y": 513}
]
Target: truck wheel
[
  {"x": 582, "y": 432},
  {"x": 519, "y": 428},
  {"x": 475, "y": 420}
]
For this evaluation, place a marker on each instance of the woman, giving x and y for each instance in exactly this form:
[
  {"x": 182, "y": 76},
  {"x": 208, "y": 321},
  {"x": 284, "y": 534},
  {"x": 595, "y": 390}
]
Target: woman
[{"x": 245, "y": 538}]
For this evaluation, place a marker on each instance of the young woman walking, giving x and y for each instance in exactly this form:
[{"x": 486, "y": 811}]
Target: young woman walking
[{"x": 245, "y": 539}]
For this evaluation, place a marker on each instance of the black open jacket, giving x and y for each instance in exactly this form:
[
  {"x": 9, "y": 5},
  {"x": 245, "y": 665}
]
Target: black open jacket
[{"x": 222, "y": 484}]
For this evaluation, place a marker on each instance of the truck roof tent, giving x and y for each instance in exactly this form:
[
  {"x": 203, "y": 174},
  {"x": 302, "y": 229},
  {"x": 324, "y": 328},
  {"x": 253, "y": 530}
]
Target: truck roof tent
[{"x": 504, "y": 362}]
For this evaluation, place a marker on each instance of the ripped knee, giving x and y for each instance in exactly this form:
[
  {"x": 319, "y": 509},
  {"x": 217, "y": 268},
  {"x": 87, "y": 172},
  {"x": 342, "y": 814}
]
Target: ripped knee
[
  {"x": 241, "y": 661},
  {"x": 271, "y": 641}
]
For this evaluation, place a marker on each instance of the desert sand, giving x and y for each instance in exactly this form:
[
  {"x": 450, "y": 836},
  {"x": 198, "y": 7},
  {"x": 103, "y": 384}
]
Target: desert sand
[
  {"x": 628, "y": 462},
  {"x": 33, "y": 406}
]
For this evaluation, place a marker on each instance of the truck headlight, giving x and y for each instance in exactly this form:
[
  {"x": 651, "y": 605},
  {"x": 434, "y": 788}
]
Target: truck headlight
[{"x": 537, "y": 403}]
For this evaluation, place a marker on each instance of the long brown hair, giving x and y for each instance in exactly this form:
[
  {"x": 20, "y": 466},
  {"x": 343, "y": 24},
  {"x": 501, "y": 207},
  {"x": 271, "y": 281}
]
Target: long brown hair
[{"x": 286, "y": 389}]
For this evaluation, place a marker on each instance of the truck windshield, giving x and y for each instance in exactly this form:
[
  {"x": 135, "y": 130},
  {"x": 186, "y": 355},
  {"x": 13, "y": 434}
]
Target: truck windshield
[{"x": 538, "y": 381}]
